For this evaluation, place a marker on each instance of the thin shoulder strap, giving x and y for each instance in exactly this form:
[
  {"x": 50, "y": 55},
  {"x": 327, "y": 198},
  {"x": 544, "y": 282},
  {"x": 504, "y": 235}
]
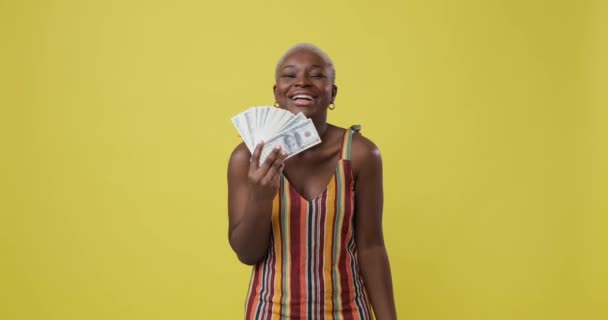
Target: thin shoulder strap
[{"x": 348, "y": 138}]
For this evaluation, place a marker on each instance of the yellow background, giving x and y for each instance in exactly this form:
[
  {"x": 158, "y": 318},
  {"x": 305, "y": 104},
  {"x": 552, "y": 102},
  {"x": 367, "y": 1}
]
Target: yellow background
[{"x": 491, "y": 117}]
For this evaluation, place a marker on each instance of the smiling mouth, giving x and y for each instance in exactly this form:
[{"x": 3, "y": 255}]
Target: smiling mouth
[{"x": 302, "y": 99}]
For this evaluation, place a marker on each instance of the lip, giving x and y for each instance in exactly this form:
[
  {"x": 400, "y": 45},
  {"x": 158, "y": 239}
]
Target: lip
[
  {"x": 308, "y": 98},
  {"x": 290, "y": 96},
  {"x": 304, "y": 98},
  {"x": 302, "y": 102}
]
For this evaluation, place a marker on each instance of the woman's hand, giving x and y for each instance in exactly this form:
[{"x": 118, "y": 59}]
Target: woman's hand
[
  {"x": 251, "y": 190},
  {"x": 264, "y": 179}
]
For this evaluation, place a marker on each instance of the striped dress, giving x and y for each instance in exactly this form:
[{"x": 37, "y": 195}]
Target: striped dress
[{"x": 311, "y": 269}]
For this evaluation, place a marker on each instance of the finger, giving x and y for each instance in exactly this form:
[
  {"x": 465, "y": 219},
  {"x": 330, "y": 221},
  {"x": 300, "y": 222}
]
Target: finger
[
  {"x": 255, "y": 158},
  {"x": 276, "y": 167},
  {"x": 269, "y": 161},
  {"x": 273, "y": 180}
]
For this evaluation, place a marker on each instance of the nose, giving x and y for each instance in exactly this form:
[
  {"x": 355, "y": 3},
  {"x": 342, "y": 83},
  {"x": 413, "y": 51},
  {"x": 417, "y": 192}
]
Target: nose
[{"x": 302, "y": 80}]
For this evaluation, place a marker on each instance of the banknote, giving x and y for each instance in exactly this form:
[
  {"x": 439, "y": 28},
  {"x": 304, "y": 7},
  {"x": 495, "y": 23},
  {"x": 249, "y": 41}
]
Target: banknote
[
  {"x": 265, "y": 123},
  {"x": 239, "y": 123},
  {"x": 293, "y": 140}
]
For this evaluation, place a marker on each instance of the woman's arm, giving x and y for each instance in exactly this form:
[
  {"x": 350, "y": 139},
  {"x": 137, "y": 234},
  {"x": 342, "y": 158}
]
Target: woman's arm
[
  {"x": 373, "y": 259},
  {"x": 251, "y": 190}
]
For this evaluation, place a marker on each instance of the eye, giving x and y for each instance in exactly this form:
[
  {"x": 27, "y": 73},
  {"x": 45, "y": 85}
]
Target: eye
[
  {"x": 318, "y": 75},
  {"x": 288, "y": 75}
]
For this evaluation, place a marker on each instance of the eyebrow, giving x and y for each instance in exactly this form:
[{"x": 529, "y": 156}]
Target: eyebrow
[{"x": 293, "y": 65}]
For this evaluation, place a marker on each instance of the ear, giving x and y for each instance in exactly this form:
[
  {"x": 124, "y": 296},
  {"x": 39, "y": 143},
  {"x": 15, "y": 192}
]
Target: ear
[
  {"x": 334, "y": 92},
  {"x": 274, "y": 92}
]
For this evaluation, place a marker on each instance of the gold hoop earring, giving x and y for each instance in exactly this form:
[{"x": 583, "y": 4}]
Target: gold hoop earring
[
  {"x": 276, "y": 104},
  {"x": 332, "y": 106}
]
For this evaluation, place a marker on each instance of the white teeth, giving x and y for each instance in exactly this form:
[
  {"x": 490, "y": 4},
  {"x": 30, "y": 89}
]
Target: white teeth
[{"x": 302, "y": 96}]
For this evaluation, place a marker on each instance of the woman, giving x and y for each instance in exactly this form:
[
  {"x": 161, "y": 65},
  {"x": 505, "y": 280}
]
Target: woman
[{"x": 311, "y": 225}]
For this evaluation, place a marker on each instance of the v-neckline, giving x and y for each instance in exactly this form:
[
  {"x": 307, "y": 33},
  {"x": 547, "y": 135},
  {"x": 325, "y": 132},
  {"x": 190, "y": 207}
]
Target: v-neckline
[{"x": 331, "y": 180}]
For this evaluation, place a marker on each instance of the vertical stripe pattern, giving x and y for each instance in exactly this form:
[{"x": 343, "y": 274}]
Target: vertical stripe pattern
[{"x": 311, "y": 269}]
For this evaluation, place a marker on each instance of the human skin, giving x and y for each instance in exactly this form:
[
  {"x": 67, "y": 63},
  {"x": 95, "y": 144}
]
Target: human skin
[{"x": 253, "y": 186}]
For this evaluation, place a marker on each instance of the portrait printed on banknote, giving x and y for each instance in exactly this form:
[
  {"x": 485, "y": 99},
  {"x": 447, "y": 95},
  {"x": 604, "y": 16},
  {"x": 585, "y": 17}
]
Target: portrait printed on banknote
[{"x": 292, "y": 141}]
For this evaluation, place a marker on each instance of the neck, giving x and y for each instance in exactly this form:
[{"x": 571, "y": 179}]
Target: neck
[
  {"x": 321, "y": 125},
  {"x": 321, "y": 128}
]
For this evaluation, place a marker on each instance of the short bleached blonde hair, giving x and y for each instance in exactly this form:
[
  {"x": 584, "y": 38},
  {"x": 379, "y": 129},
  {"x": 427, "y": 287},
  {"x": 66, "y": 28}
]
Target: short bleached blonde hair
[{"x": 303, "y": 46}]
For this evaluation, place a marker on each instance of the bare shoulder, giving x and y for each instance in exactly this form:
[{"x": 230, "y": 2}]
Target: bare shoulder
[
  {"x": 239, "y": 158},
  {"x": 365, "y": 155}
]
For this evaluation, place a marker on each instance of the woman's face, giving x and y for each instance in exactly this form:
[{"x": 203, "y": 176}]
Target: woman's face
[{"x": 304, "y": 84}]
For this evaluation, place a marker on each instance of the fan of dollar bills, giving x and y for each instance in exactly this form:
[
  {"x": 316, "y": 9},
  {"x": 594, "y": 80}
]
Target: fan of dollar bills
[{"x": 275, "y": 126}]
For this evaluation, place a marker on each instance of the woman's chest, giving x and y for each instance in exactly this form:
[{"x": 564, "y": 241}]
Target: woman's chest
[{"x": 310, "y": 178}]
